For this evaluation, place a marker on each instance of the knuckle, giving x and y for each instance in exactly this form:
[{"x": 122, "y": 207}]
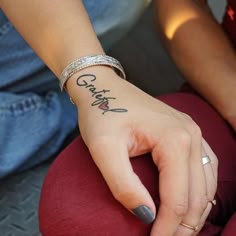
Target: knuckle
[
  {"x": 200, "y": 204},
  {"x": 194, "y": 129},
  {"x": 181, "y": 208},
  {"x": 124, "y": 193},
  {"x": 178, "y": 139},
  {"x": 187, "y": 117},
  {"x": 204, "y": 202},
  {"x": 180, "y": 136},
  {"x": 183, "y": 138}
]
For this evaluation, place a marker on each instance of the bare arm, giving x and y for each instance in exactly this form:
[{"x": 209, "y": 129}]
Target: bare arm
[
  {"x": 59, "y": 31},
  {"x": 201, "y": 50}
]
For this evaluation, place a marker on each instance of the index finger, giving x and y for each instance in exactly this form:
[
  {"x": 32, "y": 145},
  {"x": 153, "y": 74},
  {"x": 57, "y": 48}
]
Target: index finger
[
  {"x": 111, "y": 157},
  {"x": 172, "y": 160}
]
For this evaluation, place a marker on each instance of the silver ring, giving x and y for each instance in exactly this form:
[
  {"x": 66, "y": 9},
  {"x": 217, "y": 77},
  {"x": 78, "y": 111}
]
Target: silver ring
[{"x": 206, "y": 160}]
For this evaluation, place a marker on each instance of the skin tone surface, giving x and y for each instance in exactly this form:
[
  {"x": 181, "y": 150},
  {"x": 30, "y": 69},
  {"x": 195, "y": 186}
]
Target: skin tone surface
[
  {"x": 201, "y": 50},
  {"x": 118, "y": 121}
]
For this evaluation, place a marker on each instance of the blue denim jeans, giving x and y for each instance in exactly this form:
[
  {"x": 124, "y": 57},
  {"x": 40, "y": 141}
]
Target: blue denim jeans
[{"x": 35, "y": 117}]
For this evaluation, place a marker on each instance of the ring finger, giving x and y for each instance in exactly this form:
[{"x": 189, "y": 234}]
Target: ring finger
[
  {"x": 210, "y": 169},
  {"x": 198, "y": 199}
]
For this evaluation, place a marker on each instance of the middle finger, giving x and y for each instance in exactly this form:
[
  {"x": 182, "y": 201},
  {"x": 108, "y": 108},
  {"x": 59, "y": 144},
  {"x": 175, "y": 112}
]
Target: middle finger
[
  {"x": 197, "y": 188},
  {"x": 211, "y": 181}
]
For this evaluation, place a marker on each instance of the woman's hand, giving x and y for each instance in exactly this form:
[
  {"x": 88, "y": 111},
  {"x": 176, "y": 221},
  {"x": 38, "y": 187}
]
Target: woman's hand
[{"x": 117, "y": 122}]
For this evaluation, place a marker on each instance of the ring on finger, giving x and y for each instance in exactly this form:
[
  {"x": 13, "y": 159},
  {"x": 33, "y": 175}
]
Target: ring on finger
[
  {"x": 213, "y": 202},
  {"x": 194, "y": 228},
  {"x": 206, "y": 160}
]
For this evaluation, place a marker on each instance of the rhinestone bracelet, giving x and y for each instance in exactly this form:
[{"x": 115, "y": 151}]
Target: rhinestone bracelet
[{"x": 88, "y": 61}]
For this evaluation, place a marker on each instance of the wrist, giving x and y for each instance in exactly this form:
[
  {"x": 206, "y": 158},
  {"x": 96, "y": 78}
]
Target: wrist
[{"x": 90, "y": 82}]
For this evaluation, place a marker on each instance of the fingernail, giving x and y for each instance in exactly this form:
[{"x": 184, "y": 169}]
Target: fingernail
[{"x": 144, "y": 214}]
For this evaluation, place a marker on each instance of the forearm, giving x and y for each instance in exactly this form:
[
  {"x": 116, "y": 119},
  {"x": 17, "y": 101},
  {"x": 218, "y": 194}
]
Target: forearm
[
  {"x": 59, "y": 31},
  {"x": 200, "y": 49}
]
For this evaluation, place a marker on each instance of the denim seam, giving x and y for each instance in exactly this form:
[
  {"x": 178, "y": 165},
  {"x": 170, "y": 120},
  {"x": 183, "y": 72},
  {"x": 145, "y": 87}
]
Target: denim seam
[{"x": 24, "y": 105}]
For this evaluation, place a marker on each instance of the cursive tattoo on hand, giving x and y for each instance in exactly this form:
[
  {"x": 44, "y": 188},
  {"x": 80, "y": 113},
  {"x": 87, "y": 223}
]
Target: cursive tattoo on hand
[{"x": 101, "y": 100}]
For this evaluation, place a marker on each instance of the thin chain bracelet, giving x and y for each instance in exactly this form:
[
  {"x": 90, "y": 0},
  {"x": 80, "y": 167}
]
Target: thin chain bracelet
[{"x": 88, "y": 61}]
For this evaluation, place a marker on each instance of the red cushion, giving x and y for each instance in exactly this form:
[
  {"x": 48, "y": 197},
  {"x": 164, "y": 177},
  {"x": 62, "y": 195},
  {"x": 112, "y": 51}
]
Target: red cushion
[{"x": 230, "y": 228}]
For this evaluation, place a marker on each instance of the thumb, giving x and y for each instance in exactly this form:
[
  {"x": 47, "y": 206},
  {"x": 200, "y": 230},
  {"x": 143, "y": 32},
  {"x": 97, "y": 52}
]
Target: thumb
[{"x": 111, "y": 157}]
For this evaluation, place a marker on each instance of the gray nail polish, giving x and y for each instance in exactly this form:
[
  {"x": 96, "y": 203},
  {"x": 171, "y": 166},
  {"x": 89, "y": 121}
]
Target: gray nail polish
[{"x": 144, "y": 214}]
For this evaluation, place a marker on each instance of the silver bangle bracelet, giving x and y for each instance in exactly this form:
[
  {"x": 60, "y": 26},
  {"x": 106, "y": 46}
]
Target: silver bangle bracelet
[{"x": 88, "y": 61}]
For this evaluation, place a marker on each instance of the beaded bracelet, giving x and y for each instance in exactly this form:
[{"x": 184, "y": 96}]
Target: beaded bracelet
[{"x": 88, "y": 61}]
